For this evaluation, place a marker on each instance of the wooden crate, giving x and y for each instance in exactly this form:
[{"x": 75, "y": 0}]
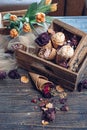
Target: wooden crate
[{"x": 68, "y": 78}]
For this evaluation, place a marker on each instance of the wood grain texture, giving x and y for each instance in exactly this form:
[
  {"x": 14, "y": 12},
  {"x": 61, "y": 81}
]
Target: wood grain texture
[{"x": 17, "y": 111}]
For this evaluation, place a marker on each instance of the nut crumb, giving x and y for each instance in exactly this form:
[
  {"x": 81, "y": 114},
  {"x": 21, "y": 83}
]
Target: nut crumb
[
  {"x": 49, "y": 105},
  {"x": 45, "y": 122}
]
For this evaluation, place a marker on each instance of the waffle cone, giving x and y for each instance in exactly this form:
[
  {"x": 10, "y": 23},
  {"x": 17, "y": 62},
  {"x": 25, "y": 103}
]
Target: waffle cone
[
  {"x": 39, "y": 80},
  {"x": 35, "y": 77},
  {"x": 52, "y": 54},
  {"x": 49, "y": 45}
]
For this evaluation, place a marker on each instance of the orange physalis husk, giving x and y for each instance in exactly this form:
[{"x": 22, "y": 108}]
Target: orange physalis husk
[
  {"x": 53, "y": 7},
  {"x": 47, "y": 2},
  {"x": 40, "y": 17},
  {"x": 24, "y": 79},
  {"x": 26, "y": 27},
  {"x": 13, "y": 17},
  {"x": 13, "y": 33}
]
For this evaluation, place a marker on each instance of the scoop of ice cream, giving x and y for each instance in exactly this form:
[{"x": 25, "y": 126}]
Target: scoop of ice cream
[
  {"x": 66, "y": 52},
  {"x": 58, "y": 39}
]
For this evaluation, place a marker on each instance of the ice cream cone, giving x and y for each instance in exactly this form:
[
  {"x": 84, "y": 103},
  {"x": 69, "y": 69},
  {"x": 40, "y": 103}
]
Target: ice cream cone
[
  {"x": 42, "y": 82},
  {"x": 39, "y": 80},
  {"x": 52, "y": 54},
  {"x": 35, "y": 77},
  {"x": 49, "y": 45}
]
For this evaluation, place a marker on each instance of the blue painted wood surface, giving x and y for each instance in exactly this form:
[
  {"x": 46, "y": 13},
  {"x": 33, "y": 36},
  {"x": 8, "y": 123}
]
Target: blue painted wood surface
[{"x": 79, "y": 22}]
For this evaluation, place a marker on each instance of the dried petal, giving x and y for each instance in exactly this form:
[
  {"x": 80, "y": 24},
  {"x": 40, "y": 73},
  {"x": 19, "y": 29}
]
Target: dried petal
[
  {"x": 49, "y": 105},
  {"x": 13, "y": 17},
  {"x": 82, "y": 85},
  {"x": 43, "y": 39},
  {"x": 64, "y": 108},
  {"x": 49, "y": 115},
  {"x": 2, "y": 75},
  {"x": 34, "y": 101},
  {"x": 13, "y": 74},
  {"x": 47, "y": 91},
  {"x": 45, "y": 122},
  {"x": 26, "y": 27},
  {"x": 63, "y": 100},
  {"x": 40, "y": 17},
  {"x": 13, "y": 33},
  {"x": 63, "y": 95}
]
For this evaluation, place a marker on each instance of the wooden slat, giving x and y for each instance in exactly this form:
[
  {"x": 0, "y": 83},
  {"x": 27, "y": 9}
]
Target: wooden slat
[
  {"x": 60, "y": 71},
  {"x": 17, "y": 111}
]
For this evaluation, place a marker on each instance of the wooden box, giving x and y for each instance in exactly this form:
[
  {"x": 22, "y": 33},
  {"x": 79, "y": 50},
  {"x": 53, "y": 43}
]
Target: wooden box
[{"x": 68, "y": 78}]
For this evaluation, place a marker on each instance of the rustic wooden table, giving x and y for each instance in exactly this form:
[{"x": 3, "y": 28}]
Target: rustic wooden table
[{"x": 17, "y": 112}]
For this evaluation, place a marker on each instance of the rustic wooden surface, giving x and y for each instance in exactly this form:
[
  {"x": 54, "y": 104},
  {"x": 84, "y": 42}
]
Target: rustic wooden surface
[{"x": 18, "y": 113}]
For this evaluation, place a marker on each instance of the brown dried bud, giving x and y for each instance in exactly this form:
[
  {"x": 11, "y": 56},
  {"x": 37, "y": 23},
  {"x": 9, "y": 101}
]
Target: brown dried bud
[
  {"x": 40, "y": 17},
  {"x": 13, "y": 33},
  {"x": 13, "y": 17},
  {"x": 26, "y": 27}
]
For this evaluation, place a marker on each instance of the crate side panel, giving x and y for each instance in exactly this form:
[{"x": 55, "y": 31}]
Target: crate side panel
[{"x": 59, "y": 71}]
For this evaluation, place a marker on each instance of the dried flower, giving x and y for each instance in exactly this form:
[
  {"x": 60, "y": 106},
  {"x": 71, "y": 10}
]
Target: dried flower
[
  {"x": 42, "y": 39},
  {"x": 49, "y": 115},
  {"x": 40, "y": 17},
  {"x": 26, "y": 27},
  {"x": 13, "y": 33},
  {"x": 47, "y": 2},
  {"x": 34, "y": 15},
  {"x": 49, "y": 105},
  {"x": 64, "y": 108},
  {"x": 47, "y": 90},
  {"x": 2, "y": 75},
  {"x": 13, "y": 74},
  {"x": 13, "y": 17},
  {"x": 82, "y": 85},
  {"x": 53, "y": 7},
  {"x": 62, "y": 100},
  {"x": 74, "y": 41},
  {"x": 34, "y": 100}
]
